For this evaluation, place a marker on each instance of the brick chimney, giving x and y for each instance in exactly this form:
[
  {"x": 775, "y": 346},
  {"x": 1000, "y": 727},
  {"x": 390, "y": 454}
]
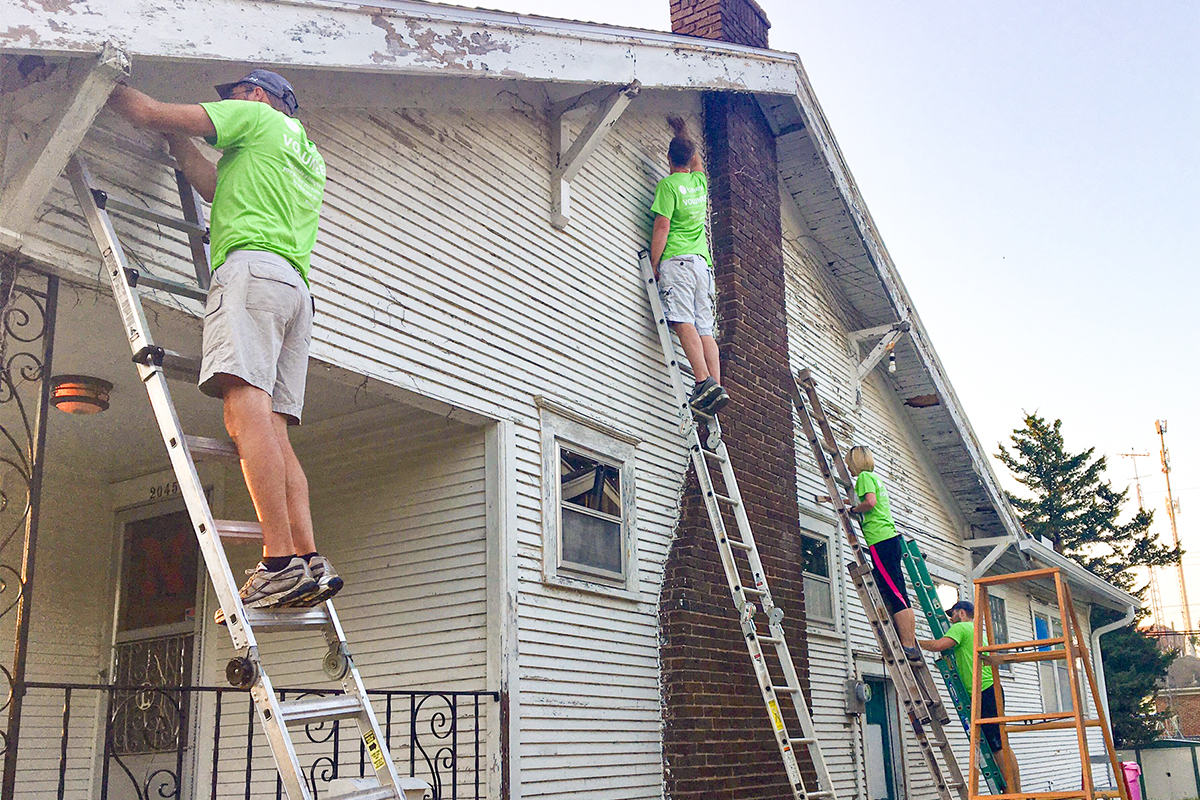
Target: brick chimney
[
  {"x": 717, "y": 740},
  {"x": 734, "y": 21}
]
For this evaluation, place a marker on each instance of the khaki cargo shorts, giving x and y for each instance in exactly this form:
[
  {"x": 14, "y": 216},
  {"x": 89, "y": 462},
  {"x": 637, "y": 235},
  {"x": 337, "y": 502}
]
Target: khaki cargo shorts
[
  {"x": 258, "y": 327},
  {"x": 688, "y": 291}
]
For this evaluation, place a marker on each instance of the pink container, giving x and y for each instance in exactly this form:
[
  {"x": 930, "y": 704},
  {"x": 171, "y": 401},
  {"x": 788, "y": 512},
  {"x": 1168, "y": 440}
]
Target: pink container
[{"x": 1132, "y": 773}]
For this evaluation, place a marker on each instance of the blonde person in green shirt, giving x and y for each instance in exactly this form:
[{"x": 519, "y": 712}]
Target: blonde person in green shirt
[
  {"x": 883, "y": 540},
  {"x": 266, "y": 195},
  {"x": 961, "y": 637},
  {"x": 683, "y": 266}
]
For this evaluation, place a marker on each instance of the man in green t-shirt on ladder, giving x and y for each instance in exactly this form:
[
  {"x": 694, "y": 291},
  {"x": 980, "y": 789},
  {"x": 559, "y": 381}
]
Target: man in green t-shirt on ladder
[
  {"x": 266, "y": 195},
  {"x": 683, "y": 266},
  {"x": 961, "y": 636}
]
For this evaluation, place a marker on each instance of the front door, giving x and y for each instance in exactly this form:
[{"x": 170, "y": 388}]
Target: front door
[
  {"x": 155, "y": 644},
  {"x": 880, "y": 741}
]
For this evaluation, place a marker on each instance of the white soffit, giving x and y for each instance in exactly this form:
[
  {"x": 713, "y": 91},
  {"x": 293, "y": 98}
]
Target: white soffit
[{"x": 391, "y": 37}]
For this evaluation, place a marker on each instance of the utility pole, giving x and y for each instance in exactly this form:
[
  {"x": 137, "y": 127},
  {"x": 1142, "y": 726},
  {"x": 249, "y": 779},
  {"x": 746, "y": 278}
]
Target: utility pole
[
  {"x": 1156, "y": 604},
  {"x": 1160, "y": 426}
]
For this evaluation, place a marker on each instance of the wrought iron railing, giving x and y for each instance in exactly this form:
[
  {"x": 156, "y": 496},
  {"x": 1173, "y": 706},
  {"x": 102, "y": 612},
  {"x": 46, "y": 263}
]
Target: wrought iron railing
[{"x": 143, "y": 742}]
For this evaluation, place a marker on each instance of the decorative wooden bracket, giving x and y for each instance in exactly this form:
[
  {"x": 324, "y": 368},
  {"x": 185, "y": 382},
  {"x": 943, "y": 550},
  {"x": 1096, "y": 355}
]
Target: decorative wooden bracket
[
  {"x": 610, "y": 103},
  {"x": 57, "y": 121},
  {"x": 889, "y": 335}
]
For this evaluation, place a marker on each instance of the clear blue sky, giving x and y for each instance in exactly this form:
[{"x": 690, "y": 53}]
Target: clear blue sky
[{"x": 1033, "y": 168}]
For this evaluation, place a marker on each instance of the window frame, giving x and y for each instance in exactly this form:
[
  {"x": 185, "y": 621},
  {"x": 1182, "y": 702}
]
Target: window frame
[
  {"x": 563, "y": 427},
  {"x": 1006, "y": 667},
  {"x": 805, "y": 576},
  {"x": 816, "y": 524}
]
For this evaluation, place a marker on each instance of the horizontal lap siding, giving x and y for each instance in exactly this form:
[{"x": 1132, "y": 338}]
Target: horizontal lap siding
[
  {"x": 436, "y": 269},
  {"x": 399, "y": 509},
  {"x": 818, "y": 334}
]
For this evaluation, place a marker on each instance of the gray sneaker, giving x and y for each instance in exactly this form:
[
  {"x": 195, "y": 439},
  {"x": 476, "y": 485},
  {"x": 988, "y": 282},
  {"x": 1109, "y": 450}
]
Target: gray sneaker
[
  {"x": 328, "y": 581},
  {"x": 266, "y": 589}
]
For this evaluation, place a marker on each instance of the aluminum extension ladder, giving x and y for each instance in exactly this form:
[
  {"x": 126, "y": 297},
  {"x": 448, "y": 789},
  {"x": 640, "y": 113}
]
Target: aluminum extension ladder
[
  {"x": 742, "y": 546},
  {"x": 926, "y": 592},
  {"x": 246, "y": 669},
  {"x": 912, "y": 680}
]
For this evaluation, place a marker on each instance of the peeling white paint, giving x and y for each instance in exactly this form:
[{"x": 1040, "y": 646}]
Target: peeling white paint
[{"x": 397, "y": 37}]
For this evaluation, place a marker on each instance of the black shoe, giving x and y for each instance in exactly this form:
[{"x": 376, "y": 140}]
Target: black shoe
[
  {"x": 913, "y": 653},
  {"x": 719, "y": 400},
  {"x": 703, "y": 394}
]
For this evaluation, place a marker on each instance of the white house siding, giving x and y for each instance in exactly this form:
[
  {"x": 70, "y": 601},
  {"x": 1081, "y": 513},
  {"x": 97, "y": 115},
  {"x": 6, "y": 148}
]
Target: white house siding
[
  {"x": 437, "y": 270},
  {"x": 818, "y": 336},
  {"x": 67, "y": 631}
]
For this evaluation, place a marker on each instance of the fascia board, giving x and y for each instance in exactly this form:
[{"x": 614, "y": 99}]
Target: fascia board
[{"x": 397, "y": 38}]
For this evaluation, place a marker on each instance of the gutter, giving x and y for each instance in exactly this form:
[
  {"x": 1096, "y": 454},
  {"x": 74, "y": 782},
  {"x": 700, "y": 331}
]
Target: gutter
[{"x": 1099, "y": 661}]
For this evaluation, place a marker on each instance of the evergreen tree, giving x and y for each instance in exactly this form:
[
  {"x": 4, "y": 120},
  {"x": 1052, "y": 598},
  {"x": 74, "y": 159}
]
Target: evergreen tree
[{"x": 1077, "y": 510}]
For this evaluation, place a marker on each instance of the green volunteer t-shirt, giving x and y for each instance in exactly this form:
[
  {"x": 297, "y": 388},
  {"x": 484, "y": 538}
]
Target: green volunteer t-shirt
[
  {"x": 963, "y": 633},
  {"x": 877, "y": 523},
  {"x": 270, "y": 181},
  {"x": 682, "y": 197}
]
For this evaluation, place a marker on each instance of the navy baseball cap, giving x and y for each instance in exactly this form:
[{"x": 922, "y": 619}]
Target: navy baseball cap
[
  {"x": 965, "y": 605},
  {"x": 270, "y": 82}
]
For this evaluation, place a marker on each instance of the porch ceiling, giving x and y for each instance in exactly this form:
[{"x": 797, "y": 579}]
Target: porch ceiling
[{"x": 124, "y": 441}]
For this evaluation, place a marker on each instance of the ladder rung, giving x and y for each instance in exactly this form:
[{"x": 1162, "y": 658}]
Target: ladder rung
[
  {"x": 238, "y": 531},
  {"x": 815, "y": 795},
  {"x": 784, "y": 690},
  {"x": 112, "y": 204},
  {"x": 755, "y": 592},
  {"x": 216, "y": 448},
  {"x": 770, "y": 639},
  {"x": 172, "y": 287},
  {"x": 309, "y": 710},
  {"x": 714, "y": 455},
  {"x": 739, "y": 545},
  {"x": 263, "y": 620},
  {"x": 375, "y": 793},
  {"x": 729, "y": 501}
]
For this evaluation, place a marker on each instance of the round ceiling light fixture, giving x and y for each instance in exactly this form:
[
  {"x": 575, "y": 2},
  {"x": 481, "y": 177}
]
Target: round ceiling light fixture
[{"x": 79, "y": 394}]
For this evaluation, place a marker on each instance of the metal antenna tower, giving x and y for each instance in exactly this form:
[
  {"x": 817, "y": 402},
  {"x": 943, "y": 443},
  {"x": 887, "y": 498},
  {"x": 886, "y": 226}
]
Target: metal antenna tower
[
  {"x": 1156, "y": 604},
  {"x": 1160, "y": 426}
]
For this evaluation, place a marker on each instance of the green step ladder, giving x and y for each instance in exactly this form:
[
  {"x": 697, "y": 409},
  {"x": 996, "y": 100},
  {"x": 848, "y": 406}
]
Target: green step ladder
[{"x": 939, "y": 623}]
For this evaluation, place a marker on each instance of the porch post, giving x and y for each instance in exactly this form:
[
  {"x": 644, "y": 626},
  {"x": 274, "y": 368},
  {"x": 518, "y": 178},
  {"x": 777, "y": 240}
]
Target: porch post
[{"x": 31, "y": 368}]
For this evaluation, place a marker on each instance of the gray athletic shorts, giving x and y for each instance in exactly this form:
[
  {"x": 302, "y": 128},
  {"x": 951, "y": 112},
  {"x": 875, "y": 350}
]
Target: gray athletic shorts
[
  {"x": 688, "y": 291},
  {"x": 258, "y": 327}
]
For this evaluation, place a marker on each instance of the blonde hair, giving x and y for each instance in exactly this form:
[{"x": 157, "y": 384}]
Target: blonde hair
[{"x": 859, "y": 459}]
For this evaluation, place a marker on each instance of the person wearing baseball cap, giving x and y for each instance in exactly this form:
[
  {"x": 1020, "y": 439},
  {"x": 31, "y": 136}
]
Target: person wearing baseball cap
[
  {"x": 266, "y": 194},
  {"x": 961, "y": 637}
]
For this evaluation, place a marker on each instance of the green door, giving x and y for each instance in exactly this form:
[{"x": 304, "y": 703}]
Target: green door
[{"x": 878, "y": 744}]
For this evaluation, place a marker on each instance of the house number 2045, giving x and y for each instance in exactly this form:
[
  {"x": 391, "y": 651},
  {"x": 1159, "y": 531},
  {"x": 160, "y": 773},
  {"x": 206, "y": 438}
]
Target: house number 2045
[{"x": 164, "y": 490}]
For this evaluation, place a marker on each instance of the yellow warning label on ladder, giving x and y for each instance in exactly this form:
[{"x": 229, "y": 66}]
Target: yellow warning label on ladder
[
  {"x": 373, "y": 748},
  {"x": 773, "y": 707}
]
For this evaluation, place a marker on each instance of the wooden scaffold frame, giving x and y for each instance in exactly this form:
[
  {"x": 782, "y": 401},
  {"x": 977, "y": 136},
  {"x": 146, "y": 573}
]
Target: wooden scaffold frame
[{"x": 1069, "y": 647}]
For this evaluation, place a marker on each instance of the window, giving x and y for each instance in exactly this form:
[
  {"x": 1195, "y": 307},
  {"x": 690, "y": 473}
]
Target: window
[
  {"x": 999, "y": 632},
  {"x": 818, "y": 583},
  {"x": 588, "y": 502},
  {"x": 1053, "y": 676},
  {"x": 590, "y": 515}
]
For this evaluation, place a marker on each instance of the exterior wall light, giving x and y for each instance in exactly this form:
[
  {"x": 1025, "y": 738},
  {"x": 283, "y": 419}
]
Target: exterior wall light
[{"x": 79, "y": 394}]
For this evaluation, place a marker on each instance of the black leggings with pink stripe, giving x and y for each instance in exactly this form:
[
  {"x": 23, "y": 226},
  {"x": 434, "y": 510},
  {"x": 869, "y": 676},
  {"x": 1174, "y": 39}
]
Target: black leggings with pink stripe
[{"x": 889, "y": 575}]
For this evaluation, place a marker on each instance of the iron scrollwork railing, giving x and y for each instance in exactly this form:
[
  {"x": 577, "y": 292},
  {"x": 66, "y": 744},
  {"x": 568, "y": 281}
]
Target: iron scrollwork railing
[
  {"x": 28, "y": 309},
  {"x": 220, "y": 752}
]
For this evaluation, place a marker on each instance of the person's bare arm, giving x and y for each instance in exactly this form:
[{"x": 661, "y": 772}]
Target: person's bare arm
[
  {"x": 866, "y": 505},
  {"x": 658, "y": 240},
  {"x": 937, "y": 645},
  {"x": 200, "y": 172},
  {"x": 143, "y": 111}
]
